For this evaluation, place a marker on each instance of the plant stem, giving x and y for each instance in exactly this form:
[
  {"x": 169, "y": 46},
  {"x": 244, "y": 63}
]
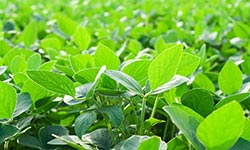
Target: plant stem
[
  {"x": 142, "y": 115},
  {"x": 155, "y": 106},
  {"x": 166, "y": 129},
  {"x": 6, "y": 145}
]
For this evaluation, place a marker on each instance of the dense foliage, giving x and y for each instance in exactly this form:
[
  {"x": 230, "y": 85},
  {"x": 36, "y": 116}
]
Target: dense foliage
[{"x": 146, "y": 74}]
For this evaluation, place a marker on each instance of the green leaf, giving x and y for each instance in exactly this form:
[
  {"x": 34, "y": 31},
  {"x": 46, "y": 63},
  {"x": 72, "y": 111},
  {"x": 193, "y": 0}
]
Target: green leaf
[
  {"x": 222, "y": 128},
  {"x": 114, "y": 113},
  {"x": 187, "y": 121},
  {"x": 18, "y": 64},
  {"x": 152, "y": 143},
  {"x": 29, "y": 34},
  {"x": 105, "y": 56},
  {"x": 230, "y": 78},
  {"x": 241, "y": 30},
  {"x": 246, "y": 64},
  {"x": 70, "y": 140},
  {"x": 4, "y": 47},
  {"x": 160, "y": 44},
  {"x": 125, "y": 80},
  {"x": 34, "y": 61},
  {"x": 241, "y": 144},
  {"x": 137, "y": 69},
  {"x": 134, "y": 46},
  {"x": 245, "y": 134},
  {"x": 188, "y": 64},
  {"x": 86, "y": 75},
  {"x": 164, "y": 66},
  {"x": 76, "y": 63},
  {"x": 53, "y": 82},
  {"x": 66, "y": 24},
  {"x": 8, "y": 100},
  {"x": 202, "y": 81},
  {"x": 176, "y": 144},
  {"x": 51, "y": 43},
  {"x": 45, "y": 134},
  {"x": 176, "y": 81},
  {"x": 23, "y": 104},
  {"x": 7, "y": 131},
  {"x": 48, "y": 66},
  {"x": 239, "y": 97},
  {"x": 81, "y": 37},
  {"x": 132, "y": 143},
  {"x": 29, "y": 141},
  {"x": 84, "y": 121},
  {"x": 199, "y": 100}
]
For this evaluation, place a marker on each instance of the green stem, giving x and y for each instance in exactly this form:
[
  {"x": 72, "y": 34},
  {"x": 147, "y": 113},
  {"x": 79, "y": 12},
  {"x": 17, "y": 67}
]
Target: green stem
[
  {"x": 166, "y": 129},
  {"x": 142, "y": 115},
  {"x": 6, "y": 145},
  {"x": 155, "y": 106}
]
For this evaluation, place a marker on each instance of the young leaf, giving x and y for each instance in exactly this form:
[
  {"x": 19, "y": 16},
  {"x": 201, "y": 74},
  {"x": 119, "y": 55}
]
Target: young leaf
[
  {"x": 7, "y": 131},
  {"x": 8, "y": 100},
  {"x": 199, "y": 100},
  {"x": 176, "y": 81},
  {"x": 29, "y": 34},
  {"x": 222, "y": 128},
  {"x": 115, "y": 114},
  {"x": 188, "y": 64},
  {"x": 23, "y": 104},
  {"x": 53, "y": 82},
  {"x": 83, "y": 122},
  {"x": 125, "y": 80},
  {"x": 82, "y": 38},
  {"x": 187, "y": 121},
  {"x": 164, "y": 66},
  {"x": 239, "y": 97},
  {"x": 18, "y": 64},
  {"x": 160, "y": 44},
  {"x": 34, "y": 61},
  {"x": 86, "y": 75},
  {"x": 105, "y": 56},
  {"x": 202, "y": 81},
  {"x": 230, "y": 78},
  {"x": 152, "y": 143}
]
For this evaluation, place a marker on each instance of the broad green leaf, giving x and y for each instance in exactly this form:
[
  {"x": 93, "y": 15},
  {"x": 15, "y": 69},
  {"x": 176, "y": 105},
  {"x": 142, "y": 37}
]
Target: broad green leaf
[
  {"x": 4, "y": 47},
  {"x": 76, "y": 63},
  {"x": 202, "y": 81},
  {"x": 160, "y": 44},
  {"x": 245, "y": 134},
  {"x": 105, "y": 56},
  {"x": 246, "y": 64},
  {"x": 66, "y": 24},
  {"x": 7, "y": 131},
  {"x": 199, "y": 100},
  {"x": 187, "y": 121},
  {"x": 51, "y": 43},
  {"x": 45, "y": 134},
  {"x": 241, "y": 30},
  {"x": 36, "y": 91},
  {"x": 176, "y": 144},
  {"x": 29, "y": 141},
  {"x": 230, "y": 78},
  {"x": 20, "y": 78},
  {"x": 86, "y": 75},
  {"x": 52, "y": 81},
  {"x": 114, "y": 113},
  {"x": 8, "y": 98},
  {"x": 222, "y": 128},
  {"x": 152, "y": 143},
  {"x": 70, "y": 140},
  {"x": 138, "y": 69},
  {"x": 164, "y": 66},
  {"x": 23, "y": 104},
  {"x": 82, "y": 38},
  {"x": 48, "y": 66},
  {"x": 34, "y": 61},
  {"x": 29, "y": 34},
  {"x": 134, "y": 46},
  {"x": 18, "y": 64},
  {"x": 174, "y": 82},
  {"x": 132, "y": 143},
  {"x": 101, "y": 138},
  {"x": 84, "y": 121},
  {"x": 125, "y": 80},
  {"x": 239, "y": 97},
  {"x": 241, "y": 144},
  {"x": 149, "y": 123},
  {"x": 188, "y": 64}
]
